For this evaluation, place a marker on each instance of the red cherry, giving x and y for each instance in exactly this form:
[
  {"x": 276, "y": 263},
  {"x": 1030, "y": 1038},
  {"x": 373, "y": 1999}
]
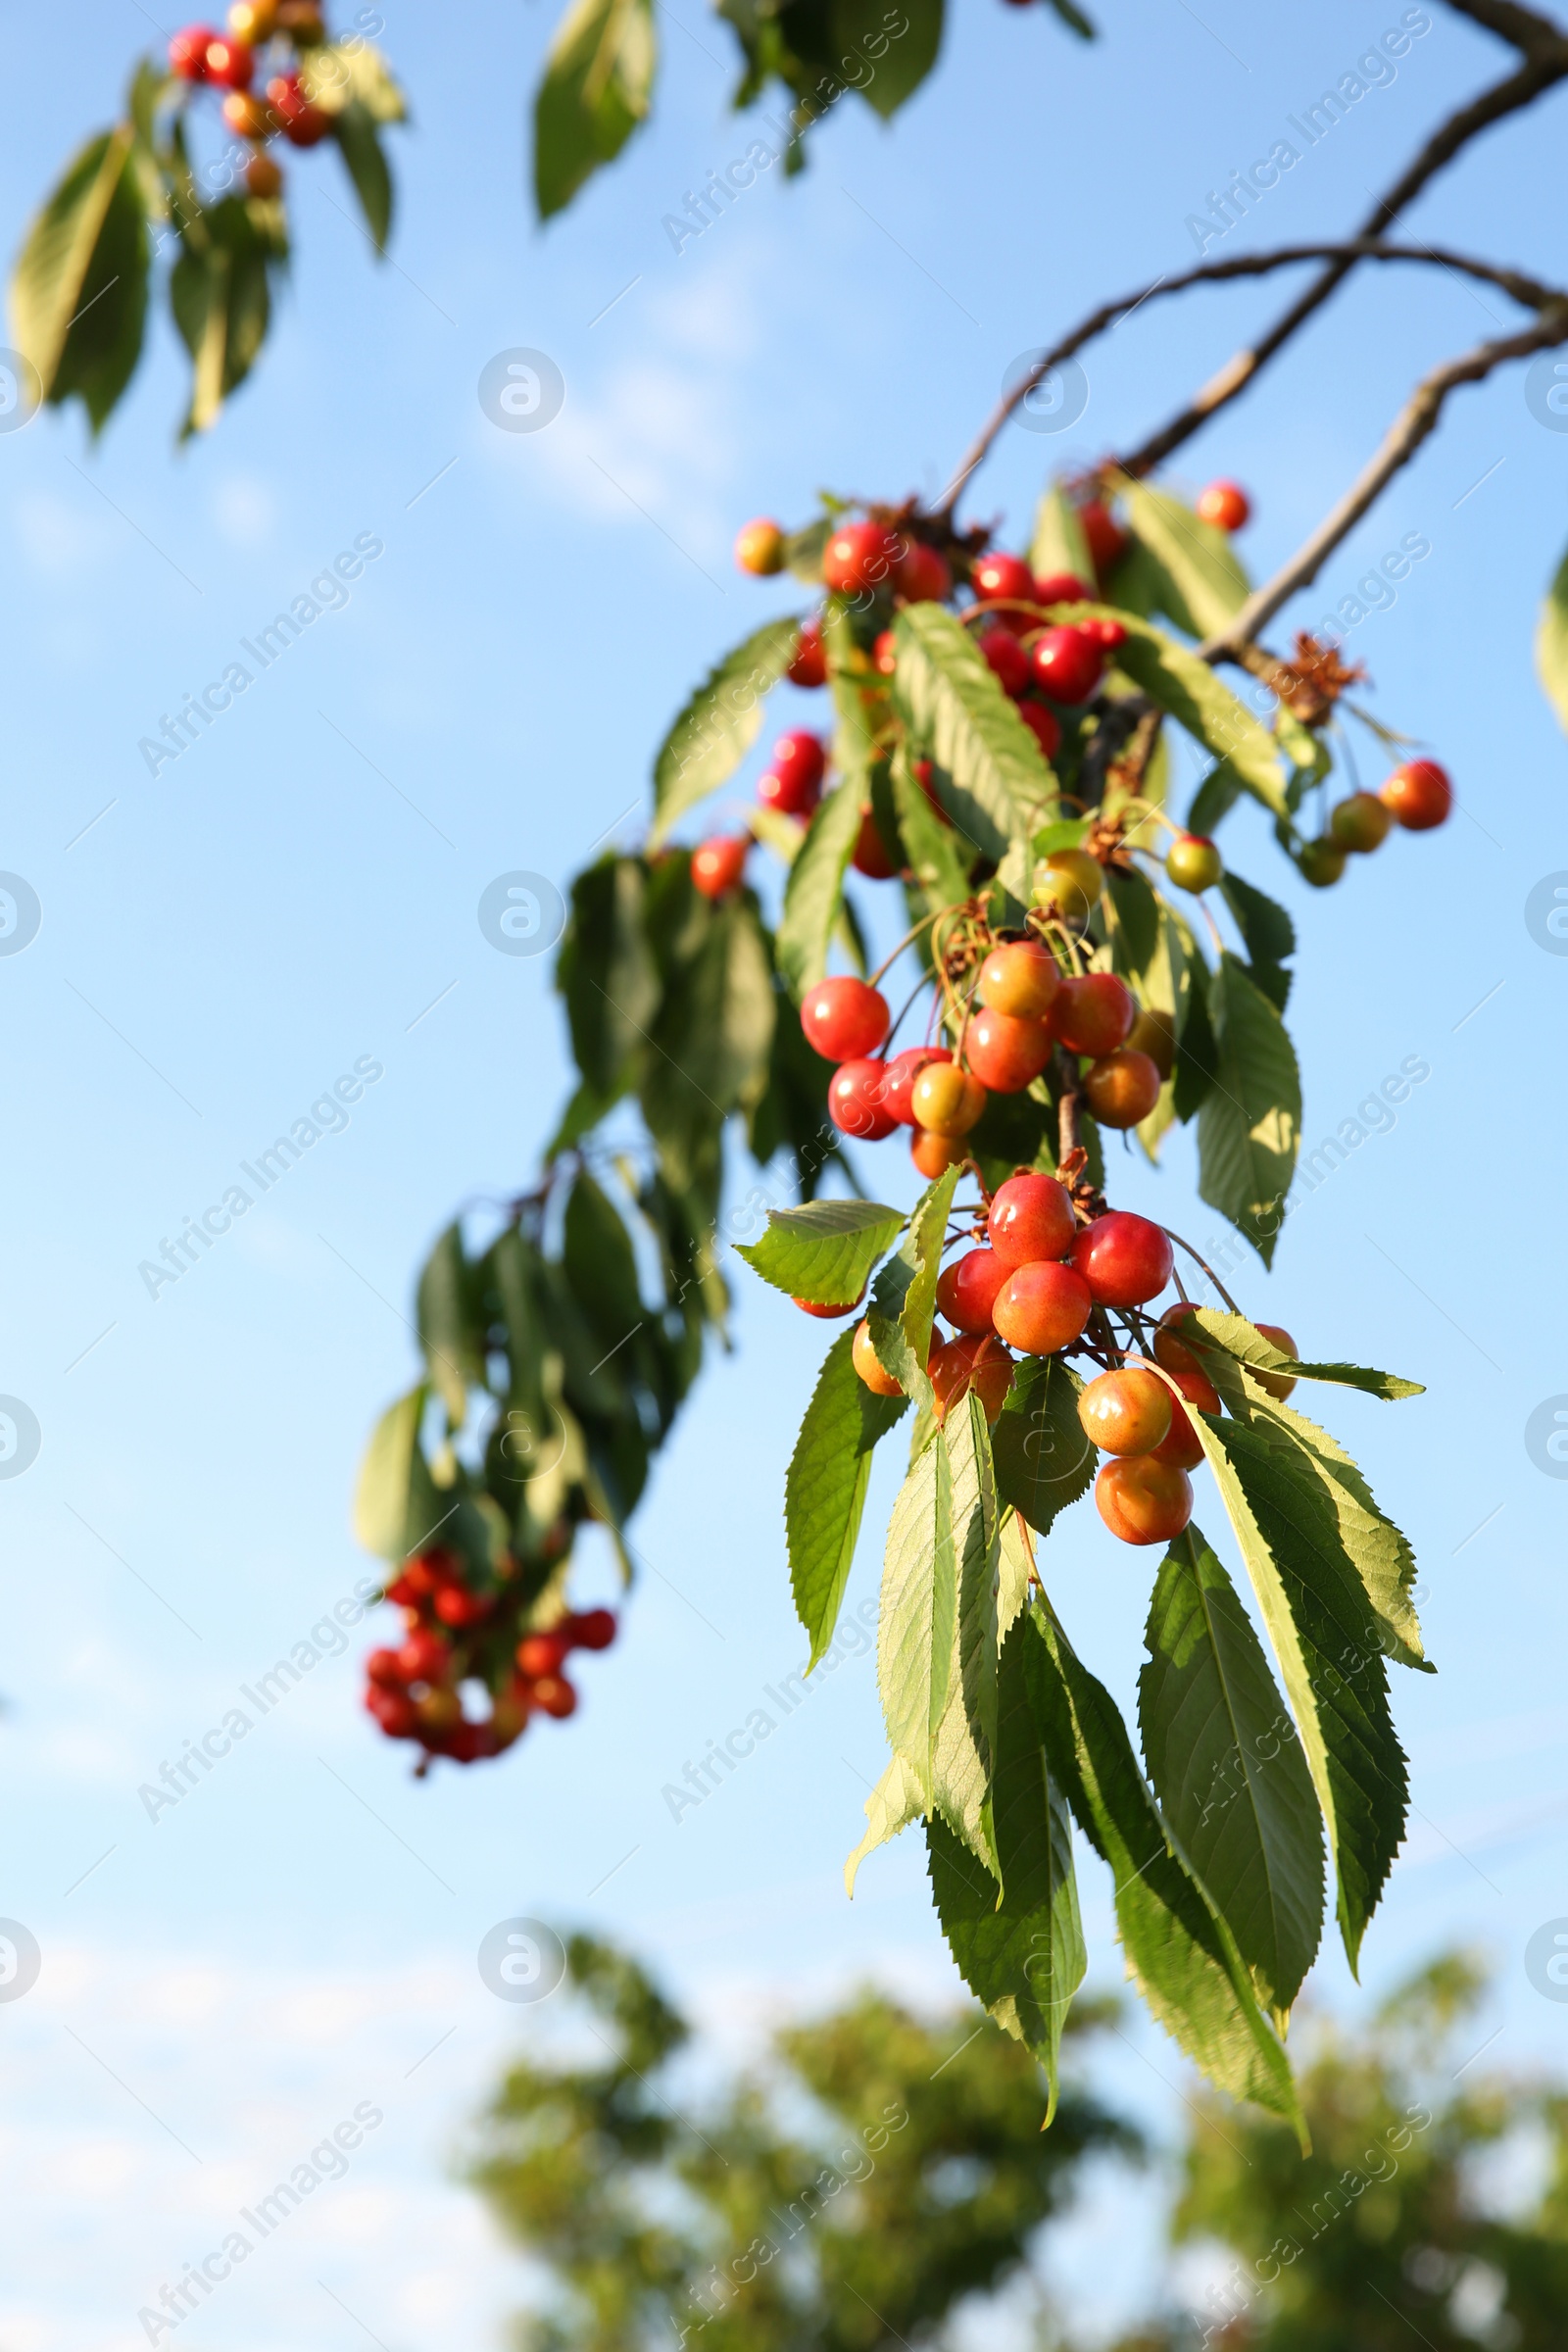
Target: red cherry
[
  {"x": 593, "y": 1628},
  {"x": 869, "y": 1364},
  {"x": 967, "y": 1290},
  {"x": 1006, "y": 659},
  {"x": 1105, "y": 539},
  {"x": 1021, "y": 978},
  {"x": 1041, "y": 1307},
  {"x": 1107, "y": 633},
  {"x": 808, "y": 663},
  {"x": 1183, "y": 1448},
  {"x": 844, "y": 1020},
  {"x": 1199, "y": 1390},
  {"x": 861, "y": 557},
  {"x": 921, "y": 576},
  {"x": 470, "y": 1743},
  {"x": 1093, "y": 1013},
  {"x": 541, "y": 1653},
  {"x": 901, "y": 1073},
  {"x": 1278, "y": 1385},
  {"x": 759, "y": 547},
  {"x": 1127, "y": 1411},
  {"x": 1031, "y": 1218},
  {"x": 1225, "y": 504},
  {"x": 1062, "y": 588},
  {"x": 1125, "y": 1260},
  {"x": 1169, "y": 1349},
  {"x": 999, "y": 574},
  {"x": 1123, "y": 1088},
  {"x": 457, "y": 1606},
  {"x": 1144, "y": 1500},
  {"x": 1067, "y": 662},
  {"x": 232, "y": 64},
  {"x": 934, "y": 1154},
  {"x": 884, "y": 655},
  {"x": 925, "y": 778},
  {"x": 1419, "y": 794},
  {"x": 1047, "y": 731},
  {"x": 394, "y": 1711},
  {"x": 825, "y": 1313},
  {"x": 556, "y": 1695},
  {"x": 870, "y": 857},
  {"x": 854, "y": 1100},
  {"x": 719, "y": 865},
  {"x": 385, "y": 1667},
  {"x": 793, "y": 784},
  {"x": 1005, "y": 1054},
  {"x": 970, "y": 1362},
  {"x": 424, "y": 1657},
  {"x": 304, "y": 123},
  {"x": 187, "y": 51}
]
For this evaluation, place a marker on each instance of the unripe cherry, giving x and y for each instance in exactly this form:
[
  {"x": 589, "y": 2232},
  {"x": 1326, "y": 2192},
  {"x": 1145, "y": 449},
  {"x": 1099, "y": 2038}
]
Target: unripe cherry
[
  {"x": 1225, "y": 504},
  {"x": 922, "y": 575},
  {"x": 1093, "y": 1013},
  {"x": 1103, "y": 535},
  {"x": 947, "y": 1101},
  {"x": 871, "y": 854},
  {"x": 1144, "y": 1500},
  {"x": 1154, "y": 1033},
  {"x": 1193, "y": 862},
  {"x": 1041, "y": 1307},
  {"x": 254, "y": 21},
  {"x": 809, "y": 661},
  {"x": 760, "y": 548},
  {"x": 1006, "y": 1055},
  {"x": 1123, "y": 1088},
  {"x": 1005, "y": 658},
  {"x": 187, "y": 52},
  {"x": 1419, "y": 794},
  {"x": 1322, "y": 863},
  {"x": 1031, "y": 1218},
  {"x": 1071, "y": 881},
  {"x": 263, "y": 178},
  {"x": 1021, "y": 978},
  {"x": 1278, "y": 1385},
  {"x": 966, "y": 1292},
  {"x": 854, "y": 1100},
  {"x": 1067, "y": 662},
  {"x": 1126, "y": 1411},
  {"x": 718, "y": 865},
  {"x": 1125, "y": 1260},
  {"x": 844, "y": 1020},
  {"x": 860, "y": 557},
  {"x": 250, "y": 118},
  {"x": 933, "y": 1154},
  {"x": 901, "y": 1073},
  {"x": 870, "y": 1365},
  {"x": 1360, "y": 822},
  {"x": 1042, "y": 725},
  {"x": 1062, "y": 588},
  {"x": 1001, "y": 576}
]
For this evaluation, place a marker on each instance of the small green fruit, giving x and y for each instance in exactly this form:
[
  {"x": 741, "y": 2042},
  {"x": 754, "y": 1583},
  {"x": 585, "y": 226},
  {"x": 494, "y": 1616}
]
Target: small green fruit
[
  {"x": 1193, "y": 862},
  {"x": 1361, "y": 822},
  {"x": 1322, "y": 863}
]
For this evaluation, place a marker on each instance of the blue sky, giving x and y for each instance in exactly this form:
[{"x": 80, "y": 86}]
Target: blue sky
[{"x": 299, "y": 892}]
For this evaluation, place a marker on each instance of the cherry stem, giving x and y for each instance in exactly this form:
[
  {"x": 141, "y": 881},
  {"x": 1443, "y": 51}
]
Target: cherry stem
[
  {"x": 1208, "y": 1269},
  {"x": 908, "y": 939}
]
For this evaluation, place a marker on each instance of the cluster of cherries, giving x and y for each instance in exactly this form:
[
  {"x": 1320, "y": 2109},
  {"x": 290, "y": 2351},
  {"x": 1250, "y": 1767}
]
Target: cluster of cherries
[
  {"x": 412, "y": 1692},
  {"x": 227, "y": 61},
  {"x": 1027, "y": 1010},
  {"x": 1416, "y": 796},
  {"x": 1042, "y": 1278}
]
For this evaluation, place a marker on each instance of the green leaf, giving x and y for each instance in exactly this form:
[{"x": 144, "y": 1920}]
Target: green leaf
[
  {"x": 1178, "y": 1946},
  {"x": 718, "y": 725},
  {"x": 356, "y": 133},
  {"x": 897, "y": 1799},
  {"x": 218, "y": 293},
  {"x": 918, "y": 1624},
  {"x": 803, "y": 550},
  {"x": 825, "y": 1251},
  {"x": 608, "y": 976},
  {"x": 1227, "y": 1768},
  {"x": 79, "y": 296},
  {"x": 712, "y": 1040},
  {"x": 1074, "y": 19},
  {"x": 1249, "y": 1128},
  {"x": 1266, "y": 929},
  {"x": 1244, "y": 1342},
  {"x": 814, "y": 891},
  {"x": 1551, "y": 642},
  {"x": 1327, "y": 1644},
  {"x": 1174, "y": 677},
  {"x": 446, "y": 1313},
  {"x": 1135, "y": 925},
  {"x": 905, "y": 1298},
  {"x": 397, "y": 1505},
  {"x": 1197, "y": 558},
  {"x": 930, "y": 847},
  {"x": 994, "y": 782},
  {"x": 1215, "y": 799},
  {"x": 1043, "y": 1459},
  {"x": 601, "y": 1264},
  {"x": 597, "y": 82},
  {"x": 1197, "y": 1055},
  {"x": 1058, "y": 543},
  {"x": 964, "y": 1742},
  {"x": 337, "y": 75},
  {"x": 824, "y": 1491},
  {"x": 856, "y": 27}
]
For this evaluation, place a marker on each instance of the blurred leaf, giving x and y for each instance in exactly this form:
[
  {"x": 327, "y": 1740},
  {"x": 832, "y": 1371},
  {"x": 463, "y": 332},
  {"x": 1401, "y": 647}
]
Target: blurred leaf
[
  {"x": 594, "y": 90},
  {"x": 396, "y": 1507},
  {"x": 357, "y": 137},
  {"x": 1136, "y": 932},
  {"x": 1551, "y": 642},
  {"x": 814, "y": 891},
  {"x": 824, "y": 1493},
  {"x": 450, "y": 1332},
  {"x": 339, "y": 75},
  {"x": 1197, "y": 558},
  {"x": 78, "y": 295},
  {"x": 1058, "y": 543},
  {"x": 1174, "y": 677},
  {"x": 221, "y": 303},
  {"x": 606, "y": 973},
  {"x": 718, "y": 725}
]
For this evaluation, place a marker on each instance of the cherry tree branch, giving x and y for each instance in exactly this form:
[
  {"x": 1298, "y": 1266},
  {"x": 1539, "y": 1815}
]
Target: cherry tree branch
[
  {"x": 1544, "y": 47},
  {"x": 1415, "y": 420},
  {"x": 1345, "y": 253}
]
